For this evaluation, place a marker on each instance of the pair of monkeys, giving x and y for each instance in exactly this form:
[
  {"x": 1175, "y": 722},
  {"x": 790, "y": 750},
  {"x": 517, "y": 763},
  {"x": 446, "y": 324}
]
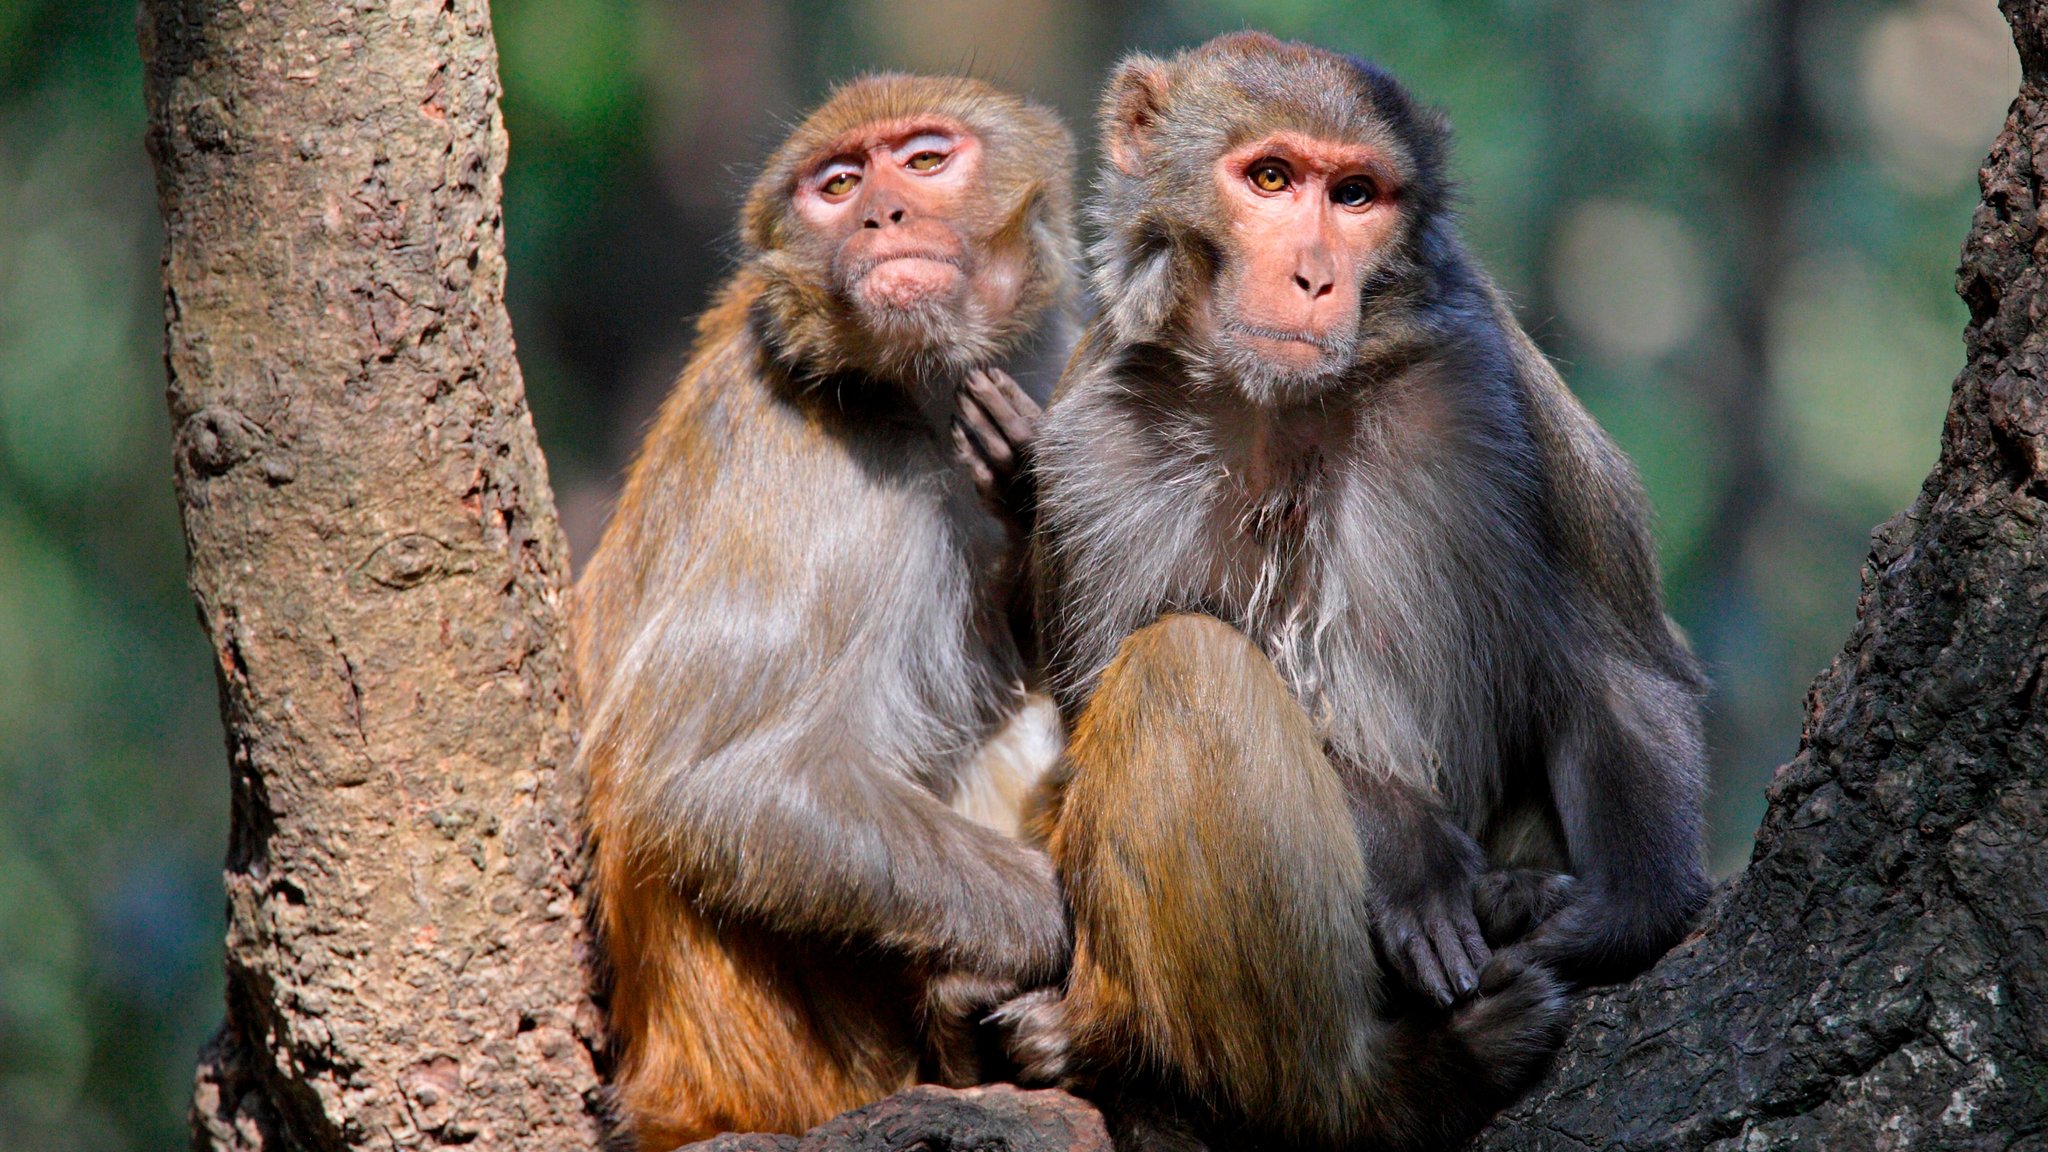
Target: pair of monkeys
[{"x": 1380, "y": 738}]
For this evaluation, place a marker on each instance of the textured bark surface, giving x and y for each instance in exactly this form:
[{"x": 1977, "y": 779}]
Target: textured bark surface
[
  {"x": 1878, "y": 976},
  {"x": 374, "y": 551},
  {"x": 998, "y": 1118}
]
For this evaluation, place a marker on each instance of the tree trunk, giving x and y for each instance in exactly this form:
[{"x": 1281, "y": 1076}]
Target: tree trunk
[
  {"x": 374, "y": 551},
  {"x": 1878, "y": 977}
]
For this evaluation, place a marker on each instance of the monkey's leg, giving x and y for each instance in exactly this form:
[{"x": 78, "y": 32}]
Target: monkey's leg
[
  {"x": 1210, "y": 857},
  {"x": 1627, "y": 769},
  {"x": 727, "y": 1031},
  {"x": 1223, "y": 950}
]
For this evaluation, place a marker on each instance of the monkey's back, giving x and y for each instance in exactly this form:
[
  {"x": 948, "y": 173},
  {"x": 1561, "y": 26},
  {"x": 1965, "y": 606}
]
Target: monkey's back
[{"x": 722, "y": 625}]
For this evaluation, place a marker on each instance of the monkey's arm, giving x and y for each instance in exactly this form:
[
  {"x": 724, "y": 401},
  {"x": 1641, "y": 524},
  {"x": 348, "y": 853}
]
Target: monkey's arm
[
  {"x": 1625, "y": 763},
  {"x": 794, "y": 833},
  {"x": 1627, "y": 776},
  {"x": 844, "y": 851},
  {"x": 778, "y": 791}
]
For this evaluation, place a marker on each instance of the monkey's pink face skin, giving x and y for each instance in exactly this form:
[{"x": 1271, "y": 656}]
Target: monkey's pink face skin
[
  {"x": 891, "y": 197},
  {"x": 1306, "y": 216}
]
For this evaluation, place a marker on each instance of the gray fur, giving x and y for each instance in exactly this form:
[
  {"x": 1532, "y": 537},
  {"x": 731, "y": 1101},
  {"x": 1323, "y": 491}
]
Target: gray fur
[{"x": 1441, "y": 555}]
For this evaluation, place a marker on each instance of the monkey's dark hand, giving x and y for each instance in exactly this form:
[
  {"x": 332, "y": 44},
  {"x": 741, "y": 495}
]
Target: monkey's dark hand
[
  {"x": 1511, "y": 902},
  {"x": 1593, "y": 936},
  {"x": 992, "y": 436},
  {"x": 1035, "y": 1036},
  {"x": 1424, "y": 911},
  {"x": 956, "y": 1007}
]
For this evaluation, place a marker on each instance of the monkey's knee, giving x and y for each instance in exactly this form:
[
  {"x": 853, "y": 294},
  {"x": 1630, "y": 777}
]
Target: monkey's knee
[
  {"x": 1190, "y": 650},
  {"x": 1188, "y": 683},
  {"x": 1187, "y": 715}
]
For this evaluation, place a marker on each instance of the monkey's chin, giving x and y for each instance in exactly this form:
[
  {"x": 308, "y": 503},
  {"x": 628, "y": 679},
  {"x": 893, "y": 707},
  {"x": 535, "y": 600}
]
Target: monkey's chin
[{"x": 908, "y": 282}]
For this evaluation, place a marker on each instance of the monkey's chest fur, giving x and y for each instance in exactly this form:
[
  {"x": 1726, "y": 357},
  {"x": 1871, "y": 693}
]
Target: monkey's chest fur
[{"x": 1367, "y": 551}]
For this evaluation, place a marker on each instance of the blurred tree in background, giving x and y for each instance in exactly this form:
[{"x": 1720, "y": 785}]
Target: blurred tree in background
[{"x": 1734, "y": 221}]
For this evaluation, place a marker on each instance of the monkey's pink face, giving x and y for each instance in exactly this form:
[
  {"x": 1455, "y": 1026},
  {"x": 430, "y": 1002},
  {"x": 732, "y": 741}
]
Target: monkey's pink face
[
  {"x": 891, "y": 197},
  {"x": 1306, "y": 219}
]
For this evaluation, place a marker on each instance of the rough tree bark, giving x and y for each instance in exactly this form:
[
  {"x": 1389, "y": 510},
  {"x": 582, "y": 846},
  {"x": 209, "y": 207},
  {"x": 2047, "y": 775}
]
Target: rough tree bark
[
  {"x": 1878, "y": 976},
  {"x": 375, "y": 555},
  {"x": 373, "y": 546}
]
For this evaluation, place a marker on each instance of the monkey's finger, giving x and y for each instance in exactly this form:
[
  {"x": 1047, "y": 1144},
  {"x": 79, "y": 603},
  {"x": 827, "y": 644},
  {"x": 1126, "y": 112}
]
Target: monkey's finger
[
  {"x": 1501, "y": 971},
  {"x": 1450, "y": 950},
  {"x": 984, "y": 478},
  {"x": 994, "y": 445},
  {"x": 1558, "y": 890},
  {"x": 1427, "y": 972},
  {"x": 1005, "y": 400},
  {"x": 1019, "y": 398},
  {"x": 1475, "y": 944},
  {"x": 981, "y": 391}
]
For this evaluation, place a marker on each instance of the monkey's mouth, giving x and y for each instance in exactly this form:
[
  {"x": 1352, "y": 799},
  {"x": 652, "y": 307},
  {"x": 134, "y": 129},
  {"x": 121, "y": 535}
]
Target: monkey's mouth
[
  {"x": 903, "y": 280},
  {"x": 1315, "y": 340},
  {"x": 1291, "y": 349}
]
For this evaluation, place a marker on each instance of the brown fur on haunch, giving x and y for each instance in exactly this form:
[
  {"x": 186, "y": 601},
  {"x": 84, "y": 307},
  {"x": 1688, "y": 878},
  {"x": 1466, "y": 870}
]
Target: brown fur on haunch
[
  {"x": 801, "y": 679},
  {"x": 1353, "y": 612},
  {"x": 1222, "y": 981}
]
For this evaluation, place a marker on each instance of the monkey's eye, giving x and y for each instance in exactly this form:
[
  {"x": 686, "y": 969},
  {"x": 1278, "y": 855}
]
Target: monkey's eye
[
  {"x": 839, "y": 183},
  {"x": 1267, "y": 176},
  {"x": 926, "y": 161},
  {"x": 1354, "y": 193}
]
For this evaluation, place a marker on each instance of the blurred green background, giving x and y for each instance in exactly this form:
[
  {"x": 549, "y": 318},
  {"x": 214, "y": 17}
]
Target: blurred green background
[{"x": 1735, "y": 222}]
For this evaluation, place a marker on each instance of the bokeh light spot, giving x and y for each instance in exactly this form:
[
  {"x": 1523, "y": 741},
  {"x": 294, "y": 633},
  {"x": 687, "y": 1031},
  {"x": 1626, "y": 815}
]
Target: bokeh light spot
[{"x": 1629, "y": 278}]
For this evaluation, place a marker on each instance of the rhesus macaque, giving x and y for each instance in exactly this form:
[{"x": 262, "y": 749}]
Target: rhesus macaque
[
  {"x": 807, "y": 739},
  {"x": 1353, "y": 614}
]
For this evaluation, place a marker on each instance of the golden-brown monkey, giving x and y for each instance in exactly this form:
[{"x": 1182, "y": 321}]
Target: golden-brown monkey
[
  {"x": 806, "y": 735},
  {"x": 1348, "y": 602}
]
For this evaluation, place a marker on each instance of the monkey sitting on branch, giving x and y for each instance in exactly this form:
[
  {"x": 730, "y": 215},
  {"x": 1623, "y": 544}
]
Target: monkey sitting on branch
[
  {"x": 1380, "y": 735},
  {"x": 807, "y": 742}
]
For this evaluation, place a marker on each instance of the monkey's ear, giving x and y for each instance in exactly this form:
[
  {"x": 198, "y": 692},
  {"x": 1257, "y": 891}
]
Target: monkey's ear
[{"x": 1131, "y": 109}]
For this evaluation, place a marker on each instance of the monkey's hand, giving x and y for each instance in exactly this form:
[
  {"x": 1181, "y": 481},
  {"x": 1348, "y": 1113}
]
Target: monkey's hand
[
  {"x": 1593, "y": 936},
  {"x": 1424, "y": 910},
  {"x": 955, "y": 1005},
  {"x": 1034, "y": 1032},
  {"x": 1511, "y": 902},
  {"x": 992, "y": 436}
]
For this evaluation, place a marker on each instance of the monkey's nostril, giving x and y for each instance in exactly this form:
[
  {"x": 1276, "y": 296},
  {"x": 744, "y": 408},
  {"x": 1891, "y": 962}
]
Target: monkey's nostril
[
  {"x": 1301, "y": 282},
  {"x": 871, "y": 222},
  {"x": 896, "y": 217}
]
